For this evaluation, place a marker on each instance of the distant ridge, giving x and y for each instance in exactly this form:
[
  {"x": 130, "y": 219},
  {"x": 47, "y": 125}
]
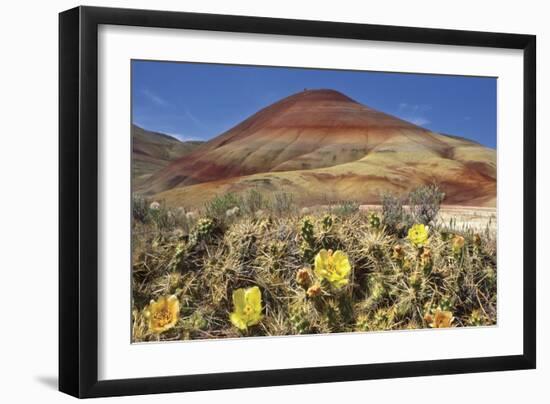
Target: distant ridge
[{"x": 152, "y": 151}]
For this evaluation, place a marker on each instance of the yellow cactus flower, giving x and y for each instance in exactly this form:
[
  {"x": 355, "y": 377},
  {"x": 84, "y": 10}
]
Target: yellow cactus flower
[
  {"x": 418, "y": 235},
  {"x": 247, "y": 305},
  {"x": 162, "y": 314},
  {"x": 440, "y": 319},
  {"x": 335, "y": 268}
]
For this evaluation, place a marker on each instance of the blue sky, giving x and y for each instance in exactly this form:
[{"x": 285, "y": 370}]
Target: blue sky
[{"x": 200, "y": 101}]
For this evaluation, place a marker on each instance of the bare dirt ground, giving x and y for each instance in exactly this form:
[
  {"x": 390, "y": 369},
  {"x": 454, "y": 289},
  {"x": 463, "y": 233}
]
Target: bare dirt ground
[{"x": 463, "y": 217}]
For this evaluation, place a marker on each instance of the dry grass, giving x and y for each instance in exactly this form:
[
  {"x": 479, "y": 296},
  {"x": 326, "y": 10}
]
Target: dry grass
[{"x": 393, "y": 284}]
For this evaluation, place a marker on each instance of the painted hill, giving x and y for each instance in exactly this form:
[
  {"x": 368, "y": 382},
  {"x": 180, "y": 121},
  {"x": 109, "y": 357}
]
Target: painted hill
[
  {"x": 323, "y": 146},
  {"x": 152, "y": 151}
]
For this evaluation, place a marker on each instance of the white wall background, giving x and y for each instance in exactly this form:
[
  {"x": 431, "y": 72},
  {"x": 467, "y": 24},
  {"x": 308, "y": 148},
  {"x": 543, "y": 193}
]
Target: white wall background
[{"x": 28, "y": 202}]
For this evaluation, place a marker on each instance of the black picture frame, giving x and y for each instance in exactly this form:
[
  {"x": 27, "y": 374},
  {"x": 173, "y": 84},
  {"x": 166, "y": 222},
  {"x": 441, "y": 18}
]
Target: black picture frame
[{"x": 78, "y": 201}]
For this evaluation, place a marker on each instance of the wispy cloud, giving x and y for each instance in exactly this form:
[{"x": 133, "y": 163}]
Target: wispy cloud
[
  {"x": 155, "y": 99},
  {"x": 419, "y": 121},
  {"x": 182, "y": 137},
  {"x": 415, "y": 113},
  {"x": 198, "y": 123}
]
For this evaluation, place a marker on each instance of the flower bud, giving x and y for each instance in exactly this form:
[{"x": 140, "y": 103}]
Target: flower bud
[
  {"x": 303, "y": 277},
  {"x": 398, "y": 252},
  {"x": 314, "y": 290}
]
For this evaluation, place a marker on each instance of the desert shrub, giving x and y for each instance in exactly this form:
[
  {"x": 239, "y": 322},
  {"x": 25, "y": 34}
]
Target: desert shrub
[
  {"x": 157, "y": 213},
  {"x": 282, "y": 203},
  {"x": 423, "y": 206},
  {"x": 394, "y": 216},
  {"x": 140, "y": 208},
  {"x": 253, "y": 201},
  {"x": 424, "y": 203},
  {"x": 218, "y": 207},
  {"x": 346, "y": 208},
  {"x": 163, "y": 217}
]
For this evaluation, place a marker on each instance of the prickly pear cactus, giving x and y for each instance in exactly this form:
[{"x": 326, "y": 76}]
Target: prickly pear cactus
[{"x": 307, "y": 247}]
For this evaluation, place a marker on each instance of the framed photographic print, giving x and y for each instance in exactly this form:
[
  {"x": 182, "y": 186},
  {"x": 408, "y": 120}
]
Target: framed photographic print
[{"x": 250, "y": 201}]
